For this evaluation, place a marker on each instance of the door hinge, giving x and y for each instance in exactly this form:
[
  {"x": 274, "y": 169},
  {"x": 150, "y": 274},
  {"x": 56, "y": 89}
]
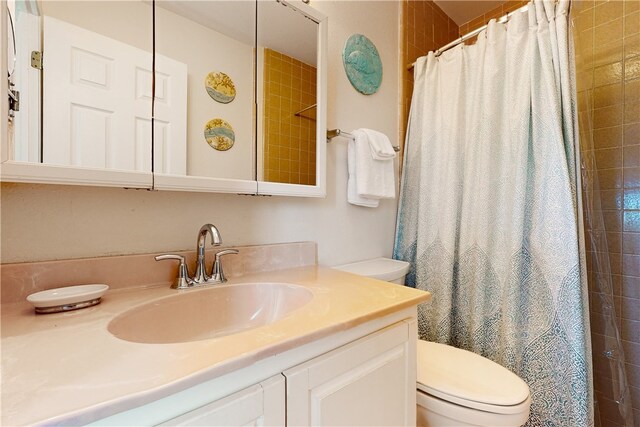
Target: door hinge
[
  {"x": 36, "y": 59},
  {"x": 14, "y": 101}
]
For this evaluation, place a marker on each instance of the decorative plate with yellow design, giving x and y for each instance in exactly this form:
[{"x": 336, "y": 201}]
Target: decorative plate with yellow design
[
  {"x": 219, "y": 134},
  {"x": 220, "y": 87}
]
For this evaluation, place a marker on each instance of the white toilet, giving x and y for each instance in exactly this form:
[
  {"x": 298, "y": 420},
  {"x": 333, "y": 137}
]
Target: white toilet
[{"x": 456, "y": 387}]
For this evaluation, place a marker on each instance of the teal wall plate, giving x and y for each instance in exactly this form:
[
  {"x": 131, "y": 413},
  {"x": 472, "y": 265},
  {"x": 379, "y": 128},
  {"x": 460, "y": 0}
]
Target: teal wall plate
[{"x": 362, "y": 64}]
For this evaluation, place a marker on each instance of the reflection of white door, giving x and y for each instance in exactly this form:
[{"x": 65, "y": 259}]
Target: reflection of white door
[
  {"x": 97, "y": 102},
  {"x": 170, "y": 112},
  {"x": 27, "y": 81}
]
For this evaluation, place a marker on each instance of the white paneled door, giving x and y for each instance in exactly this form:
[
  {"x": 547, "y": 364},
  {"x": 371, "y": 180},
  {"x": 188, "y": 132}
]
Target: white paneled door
[{"x": 97, "y": 103}]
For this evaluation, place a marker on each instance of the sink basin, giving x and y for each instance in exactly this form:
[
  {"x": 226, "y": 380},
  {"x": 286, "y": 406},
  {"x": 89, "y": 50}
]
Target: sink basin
[{"x": 208, "y": 313}]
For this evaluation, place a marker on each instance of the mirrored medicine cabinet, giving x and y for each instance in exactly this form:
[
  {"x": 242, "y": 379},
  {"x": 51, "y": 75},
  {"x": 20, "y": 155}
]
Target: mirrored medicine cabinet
[{"x": 216, "y": 95}]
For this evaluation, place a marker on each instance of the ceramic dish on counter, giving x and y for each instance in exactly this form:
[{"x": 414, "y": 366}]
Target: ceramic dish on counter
[{"x": 67, "y": 298}]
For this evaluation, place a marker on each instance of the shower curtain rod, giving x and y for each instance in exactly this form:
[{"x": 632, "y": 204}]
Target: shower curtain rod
[{"x": 464, "y": 38}]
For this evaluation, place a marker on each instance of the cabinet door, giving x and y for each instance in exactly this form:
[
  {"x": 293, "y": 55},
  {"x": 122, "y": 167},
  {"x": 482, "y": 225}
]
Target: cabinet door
[
  {"x": 370, "y": 382},
  {"x": 259, "y": 405}
]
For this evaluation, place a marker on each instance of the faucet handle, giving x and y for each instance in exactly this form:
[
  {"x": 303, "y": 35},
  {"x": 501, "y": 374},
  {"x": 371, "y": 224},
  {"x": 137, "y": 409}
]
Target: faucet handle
[
  {"x": 217, "y": 275},
  {"x": 182, "y": 281}
]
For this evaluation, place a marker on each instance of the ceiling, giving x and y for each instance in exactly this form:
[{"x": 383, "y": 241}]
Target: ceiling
[
  {"x": 278, "y": 26},
  {"x": 462, "y": 11}
]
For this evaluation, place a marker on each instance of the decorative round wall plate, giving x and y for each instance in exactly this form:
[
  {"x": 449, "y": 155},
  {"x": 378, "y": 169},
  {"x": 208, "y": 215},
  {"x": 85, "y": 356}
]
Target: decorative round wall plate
[
  {"x": 220, "y": 87},
  {"x": 362, "y": 64},
  {"x": 219, "y": 134}
]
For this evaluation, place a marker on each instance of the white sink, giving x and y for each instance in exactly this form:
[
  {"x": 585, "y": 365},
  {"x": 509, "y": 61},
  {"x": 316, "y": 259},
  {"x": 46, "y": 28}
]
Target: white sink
[{"x": 208, "y": 313}]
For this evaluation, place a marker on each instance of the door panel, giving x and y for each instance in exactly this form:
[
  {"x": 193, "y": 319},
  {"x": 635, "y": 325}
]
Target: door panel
[
  {"x": 97, "y": 101},
  {"x": 371, "y": 382}
]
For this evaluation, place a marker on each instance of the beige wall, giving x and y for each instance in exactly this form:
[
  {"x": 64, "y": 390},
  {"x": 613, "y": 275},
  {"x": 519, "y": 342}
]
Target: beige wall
[{"x": 42, "y": 222}]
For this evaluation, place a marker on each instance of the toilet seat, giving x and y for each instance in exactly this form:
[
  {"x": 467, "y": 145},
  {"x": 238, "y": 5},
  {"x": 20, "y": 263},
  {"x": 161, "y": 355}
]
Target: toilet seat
[{"x": 469, "y": 380}]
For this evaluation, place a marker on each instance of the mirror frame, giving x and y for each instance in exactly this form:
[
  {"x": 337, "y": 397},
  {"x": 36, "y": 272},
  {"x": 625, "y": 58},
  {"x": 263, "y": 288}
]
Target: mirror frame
[
  {"x": 4, "y": 87},
  {"x": 25, "y": 172},
  {"x": 320, "y": 189}
]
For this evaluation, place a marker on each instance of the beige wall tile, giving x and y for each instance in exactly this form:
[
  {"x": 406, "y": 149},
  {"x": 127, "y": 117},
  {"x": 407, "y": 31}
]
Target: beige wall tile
[
  {"x": 631, "y": 6},
  {"x": 631, "y": 243},
  {"x": 607, "y": 116},
  {"x": 611, "y": 199},
  {"x": 632, "y": 90},
  {"x": 631, "y": 134},
  {"x": 631, "y": 221},
  {"x": 607, "y": 137},
  {"x": 610, "y": 179},
  {"x": 632, "y": 24},
  {"x": 631, "y": 177},
  {"x": 632, "y": 46},
  {"x": 608, "y": 74},
  {"x": 631, "y": 155},
  {"x": 612, "y": 220},
  {"x": 604, "y": 96},
  {"x": 632, "y": 68},
  {"x": 631, "y": 111},
  {"x": 610, "y": 31},
  {"x": 608, "y": 11}
]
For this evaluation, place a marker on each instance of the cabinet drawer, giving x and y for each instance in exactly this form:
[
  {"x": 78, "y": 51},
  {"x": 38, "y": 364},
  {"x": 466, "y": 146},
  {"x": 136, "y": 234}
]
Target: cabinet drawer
[{"x": 259, "y": 405}]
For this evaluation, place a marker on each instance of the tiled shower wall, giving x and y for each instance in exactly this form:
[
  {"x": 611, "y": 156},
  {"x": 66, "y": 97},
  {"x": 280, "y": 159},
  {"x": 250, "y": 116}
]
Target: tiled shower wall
[
  {"x": 607, "y": 36},
  {"x": 290, "y": 139}
]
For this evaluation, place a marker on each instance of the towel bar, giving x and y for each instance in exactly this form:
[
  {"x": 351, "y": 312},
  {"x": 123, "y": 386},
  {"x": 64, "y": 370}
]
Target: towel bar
[{"x": 332, "y": 133}]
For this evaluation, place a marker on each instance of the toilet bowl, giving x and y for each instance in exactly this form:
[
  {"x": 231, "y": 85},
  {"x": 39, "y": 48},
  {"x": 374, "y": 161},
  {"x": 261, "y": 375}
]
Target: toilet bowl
[{"x": 455, "y": 387}]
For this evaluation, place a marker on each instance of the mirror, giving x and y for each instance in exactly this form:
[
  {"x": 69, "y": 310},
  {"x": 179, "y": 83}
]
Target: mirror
[
  {"x": 204, "y": 106},
  {"x": 219, "y": 95},
  {"x": 95, "y": 109},
  {"x": 287, "y": 60}
]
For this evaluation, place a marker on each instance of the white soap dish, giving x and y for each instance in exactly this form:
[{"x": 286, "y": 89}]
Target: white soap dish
[{"x": 67, "y": 298}]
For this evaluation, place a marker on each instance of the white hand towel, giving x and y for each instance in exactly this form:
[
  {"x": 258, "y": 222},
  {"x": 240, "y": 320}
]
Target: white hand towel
[
  {"x": 381, "y": 148},
  {"x": 352, "y": 192},
  {"x": 375, "y": 179}
]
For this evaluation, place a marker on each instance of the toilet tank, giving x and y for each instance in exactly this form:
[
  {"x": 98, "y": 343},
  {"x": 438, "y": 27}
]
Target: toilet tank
[{"x": 390, "y": 270}]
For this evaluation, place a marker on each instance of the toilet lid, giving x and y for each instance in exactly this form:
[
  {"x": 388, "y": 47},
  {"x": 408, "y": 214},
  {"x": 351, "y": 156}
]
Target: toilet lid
[
  {"x": 378, "y": 268},
  {"x": 468, "y": 379}
]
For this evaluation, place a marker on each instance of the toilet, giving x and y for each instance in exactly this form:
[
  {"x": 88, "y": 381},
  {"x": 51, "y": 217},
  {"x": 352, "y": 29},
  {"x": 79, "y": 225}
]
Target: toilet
[{"x": 455, "y": 387}]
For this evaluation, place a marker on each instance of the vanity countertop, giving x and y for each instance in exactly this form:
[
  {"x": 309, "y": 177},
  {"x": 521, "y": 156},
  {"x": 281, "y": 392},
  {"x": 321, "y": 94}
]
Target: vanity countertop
[{"x": 56, "y": 366}]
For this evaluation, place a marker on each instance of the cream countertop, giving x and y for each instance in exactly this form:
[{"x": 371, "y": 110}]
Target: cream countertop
[{"x": 61, "y": 365}]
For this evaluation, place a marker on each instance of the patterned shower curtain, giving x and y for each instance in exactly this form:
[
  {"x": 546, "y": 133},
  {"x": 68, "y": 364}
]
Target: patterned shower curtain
[{"x": 489, "y": 212}]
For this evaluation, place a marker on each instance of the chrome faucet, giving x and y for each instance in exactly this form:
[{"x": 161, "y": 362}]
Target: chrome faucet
[
  {"x": 217, "y": 275},
  {"x": 201, "y": 275},
  {"x": 183, "y": 281}
]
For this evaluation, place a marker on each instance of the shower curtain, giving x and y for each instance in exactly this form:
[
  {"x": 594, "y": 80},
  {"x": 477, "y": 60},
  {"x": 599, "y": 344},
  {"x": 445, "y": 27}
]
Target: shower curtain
[{"x": 489, "y": 214}]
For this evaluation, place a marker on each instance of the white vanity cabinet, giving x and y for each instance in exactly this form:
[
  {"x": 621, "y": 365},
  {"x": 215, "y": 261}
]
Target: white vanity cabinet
[
  {"x": 365, "y": 376},
  {"x": 370, "y": 382},
  {"x": 259, "y": 405}
]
